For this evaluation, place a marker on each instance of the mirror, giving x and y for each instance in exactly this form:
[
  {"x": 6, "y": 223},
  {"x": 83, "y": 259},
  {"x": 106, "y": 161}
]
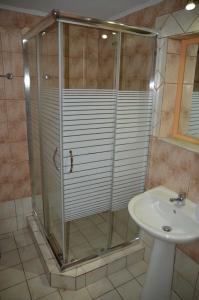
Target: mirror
[{"x": 187, "y": 102}]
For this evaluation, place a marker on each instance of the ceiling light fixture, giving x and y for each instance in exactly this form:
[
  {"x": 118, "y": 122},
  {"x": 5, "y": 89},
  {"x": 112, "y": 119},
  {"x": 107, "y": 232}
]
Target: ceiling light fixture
[
  {"x": 191, "y": 4},
  {"x": 104, "y": 36}
]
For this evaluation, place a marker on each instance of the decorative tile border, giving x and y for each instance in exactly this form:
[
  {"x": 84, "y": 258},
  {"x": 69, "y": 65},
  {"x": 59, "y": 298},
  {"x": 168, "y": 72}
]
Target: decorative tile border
[{"x": 88, "y": 272}]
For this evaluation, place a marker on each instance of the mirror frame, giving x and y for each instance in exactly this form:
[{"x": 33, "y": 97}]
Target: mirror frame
[{"x": 183, "y": 47}]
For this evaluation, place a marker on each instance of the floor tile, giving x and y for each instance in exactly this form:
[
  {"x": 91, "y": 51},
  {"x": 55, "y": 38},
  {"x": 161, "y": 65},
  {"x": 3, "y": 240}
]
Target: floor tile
[
  {"x": 81, "y": 294},
  {"x": 53, "y": 296},
  {"x": 112, "y": 295},
  {"x": 174, "y": 296},
  {"x": 138, "y": 268},
  {"x": 6, "y": 235},
  {"x": 141, "y": 279},
  {"x": 28, "y": 252},
  {"x": 97, "y": 219},
  {"x": 8, "y": 225},
  {"x": 17, "y": 292},
  {"x": 39, "y": 287},
  {"x": 23, "y": 238},
  {"x": 120, "y": 277},
  {"x": 103, "y": 227},
  {"x": 7, "y": 244},
  {"x": 33, "y": 268},
  {"x": 116, "y": 265},
  {"x": 82, "y": 250},
  {"x": 130, "y": 290},
  {"x": 9, "y": 259},
  {"x": 100, "y": 287},
  {"x": 11, "y": 276},
  {"x": 95, "y": 275}
]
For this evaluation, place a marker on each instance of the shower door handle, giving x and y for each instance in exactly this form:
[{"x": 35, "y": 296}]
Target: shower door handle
[
  {"x": 71, "y": 161},
  {"x": 54, "y": 159}
]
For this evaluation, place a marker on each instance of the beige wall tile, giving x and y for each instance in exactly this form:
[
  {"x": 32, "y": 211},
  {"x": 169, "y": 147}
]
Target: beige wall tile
[
  {"x": 13, "y": 63},
  {"x": 172, "y": 67},
  {"x": 173, "y": 46},
  {"x": 169, "y": 97},
  {"x": 7, "y": 209},
  {"x": 189, "y": 72},
  {"x": 186, "y": 267},
  {"x": 182, "y": 287}
]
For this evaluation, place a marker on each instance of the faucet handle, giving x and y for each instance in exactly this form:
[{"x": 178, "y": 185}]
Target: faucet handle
[
  {"x": 182, "y": 195},
  {"x": 180, "y": 200}
]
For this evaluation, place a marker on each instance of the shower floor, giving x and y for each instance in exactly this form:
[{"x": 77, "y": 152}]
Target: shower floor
[{"x": 88, "y": 237}]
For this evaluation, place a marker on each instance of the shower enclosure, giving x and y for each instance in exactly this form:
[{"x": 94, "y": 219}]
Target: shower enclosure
[{"x": 89, "y": 95}]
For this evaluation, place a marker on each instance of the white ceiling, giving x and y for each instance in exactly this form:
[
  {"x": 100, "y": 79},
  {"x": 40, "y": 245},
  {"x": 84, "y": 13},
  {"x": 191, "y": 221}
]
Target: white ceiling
[{"x": 105, "y": 9}]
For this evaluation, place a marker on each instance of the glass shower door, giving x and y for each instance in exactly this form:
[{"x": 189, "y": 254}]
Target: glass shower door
[
  {"x": 50, "y": 137},
  {"x": 88, "y": 113},
  {"x": 32, "y": 105},
  {"x": 133, "y": 129}
]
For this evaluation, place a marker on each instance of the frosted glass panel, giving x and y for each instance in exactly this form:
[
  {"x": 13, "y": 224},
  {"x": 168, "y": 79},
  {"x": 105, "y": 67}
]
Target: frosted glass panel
[
  {"x": 133, "y": 128},
  {"x": 88, "y": 132}
]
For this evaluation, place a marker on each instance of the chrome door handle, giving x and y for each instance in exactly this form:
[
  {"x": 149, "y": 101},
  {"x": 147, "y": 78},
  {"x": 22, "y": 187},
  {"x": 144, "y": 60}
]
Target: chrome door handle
[
  {"x": 54, "y": 159},
  {"x": 8, "y": 76},
  {"x": 71, "y": 161}
]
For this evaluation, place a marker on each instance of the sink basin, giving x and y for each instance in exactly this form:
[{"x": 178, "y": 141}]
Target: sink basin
[
  {"x": 168, "y": 224},
  {"x": 152, "y": 211}
]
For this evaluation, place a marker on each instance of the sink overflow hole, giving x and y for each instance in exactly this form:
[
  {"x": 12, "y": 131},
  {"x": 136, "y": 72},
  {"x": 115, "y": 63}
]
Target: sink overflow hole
[{"x": 166, "y": 228}]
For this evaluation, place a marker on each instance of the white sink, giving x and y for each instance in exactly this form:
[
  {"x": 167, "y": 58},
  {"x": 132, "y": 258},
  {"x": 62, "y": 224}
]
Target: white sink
[{"x": 152, "y": 211}]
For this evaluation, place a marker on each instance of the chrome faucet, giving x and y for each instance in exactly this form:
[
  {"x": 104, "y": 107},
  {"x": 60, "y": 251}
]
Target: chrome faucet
[{"x": 180, "y": 200}]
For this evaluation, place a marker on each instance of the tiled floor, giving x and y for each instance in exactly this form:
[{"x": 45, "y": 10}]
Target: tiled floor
[
  {"x": 88, "y": 236},
  {"x": 22, "y": 276}
]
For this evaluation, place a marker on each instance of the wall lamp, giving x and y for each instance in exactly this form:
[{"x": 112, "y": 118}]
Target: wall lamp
[{"x": 191, "y": 4}]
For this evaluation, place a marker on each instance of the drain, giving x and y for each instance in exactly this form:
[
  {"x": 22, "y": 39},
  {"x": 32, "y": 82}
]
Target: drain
[{"x": 167, "y": 228}]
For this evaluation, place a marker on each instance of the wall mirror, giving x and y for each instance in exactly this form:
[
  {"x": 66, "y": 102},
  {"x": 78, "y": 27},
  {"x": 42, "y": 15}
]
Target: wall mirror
[{"x": 186, "y": 120}]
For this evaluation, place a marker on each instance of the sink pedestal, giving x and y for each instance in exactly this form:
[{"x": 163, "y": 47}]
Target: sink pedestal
[{"x": 160, "y": 272}]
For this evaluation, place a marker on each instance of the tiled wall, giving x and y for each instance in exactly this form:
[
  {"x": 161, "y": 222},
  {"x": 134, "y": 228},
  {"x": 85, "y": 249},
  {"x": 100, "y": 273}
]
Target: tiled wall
[
  {"x": 170, "y": 165},
  {"x": 14, "y": 169},
  {"x": 178, "y": 170}
]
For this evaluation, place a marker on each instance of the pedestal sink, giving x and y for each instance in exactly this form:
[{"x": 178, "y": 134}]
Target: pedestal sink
[{"x": 169, "y": 224}]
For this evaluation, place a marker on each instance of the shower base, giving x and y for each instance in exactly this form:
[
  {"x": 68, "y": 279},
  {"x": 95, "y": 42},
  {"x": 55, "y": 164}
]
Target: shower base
[{"x": 83, "y": 274}]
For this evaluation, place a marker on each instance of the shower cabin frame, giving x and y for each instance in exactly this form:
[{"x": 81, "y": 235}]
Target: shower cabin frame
[{"x": 61, "y": 18}]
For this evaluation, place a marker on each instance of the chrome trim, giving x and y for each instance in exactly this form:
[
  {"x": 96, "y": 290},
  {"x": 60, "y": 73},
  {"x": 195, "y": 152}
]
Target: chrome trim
[
  {"x": 7, "y": 75},
  {"x": 45, "y": 203},
  {"x": 104, "y": 24},
  {"x": 55, "y": 15},
  {"x": 113, "y": 27},
  {"x": 116, "y": 87},
  {"x": 65, "y": 229},
  {"x": 28, "y": 115}
]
